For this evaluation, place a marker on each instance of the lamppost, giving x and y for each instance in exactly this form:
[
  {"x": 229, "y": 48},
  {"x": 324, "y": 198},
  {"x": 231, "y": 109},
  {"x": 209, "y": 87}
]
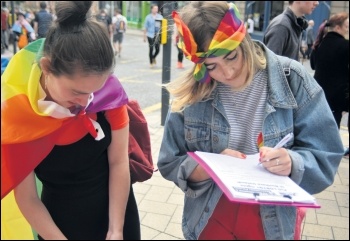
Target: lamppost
[{"x": 167, "y": 9}]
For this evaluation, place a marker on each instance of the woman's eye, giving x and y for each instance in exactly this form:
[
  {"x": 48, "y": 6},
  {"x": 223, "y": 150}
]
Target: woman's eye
[
  {"x": 210, "y": 68},
  {"x": 232, "y": 57}
]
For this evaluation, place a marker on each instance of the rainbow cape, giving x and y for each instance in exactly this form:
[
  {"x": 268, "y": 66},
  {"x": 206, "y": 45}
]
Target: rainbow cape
[{"x": 29, "y": 131}]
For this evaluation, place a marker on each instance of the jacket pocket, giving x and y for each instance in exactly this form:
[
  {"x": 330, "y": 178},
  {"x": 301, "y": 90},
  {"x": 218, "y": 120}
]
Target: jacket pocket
[{"x": 197, "y": 136}]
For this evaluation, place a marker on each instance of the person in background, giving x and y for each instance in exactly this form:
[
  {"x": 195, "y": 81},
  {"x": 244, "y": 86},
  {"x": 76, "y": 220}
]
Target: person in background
[
  {"x": 119, "y": 23},
  {"x": 282, "y": 35},
  {"x": 107, "y": 20},
  {"x": 64, "y": 120},
  {"x": 330, "y": 60},
  {"x": 42, "y": 22},
  {"x": 237, "y": 92},
  {"x": 303, "y": 45},
  {"x": 151, "y": 34},
  {"x": 4, "y": 28},
  {"x": 22, "y": 27},
  {"x": 250, "y": 24},
  {"x": 310, "y": 39},
  {"x": 29, "y": 16}
]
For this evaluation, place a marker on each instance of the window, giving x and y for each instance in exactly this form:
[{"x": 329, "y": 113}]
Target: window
[{"x": 257, "y": 8}]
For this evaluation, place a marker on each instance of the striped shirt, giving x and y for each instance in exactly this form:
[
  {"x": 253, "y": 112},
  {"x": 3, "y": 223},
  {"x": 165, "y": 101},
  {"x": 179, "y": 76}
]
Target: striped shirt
[{"x": 245, "y": 112}]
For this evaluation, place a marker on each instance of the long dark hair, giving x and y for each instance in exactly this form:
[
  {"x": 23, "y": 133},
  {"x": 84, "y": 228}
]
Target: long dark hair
[
  {"x": 335, "y": 20},
  {"x": 77, "y": 42}
]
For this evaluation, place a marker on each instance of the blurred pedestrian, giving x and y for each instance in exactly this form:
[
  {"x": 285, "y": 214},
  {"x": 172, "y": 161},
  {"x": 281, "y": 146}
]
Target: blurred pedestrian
[
  {"x": 240, "y": 90},
  {"x": 42, "y": 22},
  {"x": 106, "y": 20},
  {"x": 4, "y": 28},
  {"x": 250, "y": 24},
  {"x": 282, "y": 36},
  {"x": 23, "y": 30},
  {"x": 310, "y": 39},
  {"x": 119, "y": 23},
  {"x": 330, "y": 60},
  {"x": 64, "y": 120},
  {"x": 303, "y": 46},
  {"x": 151, "y": 33}
]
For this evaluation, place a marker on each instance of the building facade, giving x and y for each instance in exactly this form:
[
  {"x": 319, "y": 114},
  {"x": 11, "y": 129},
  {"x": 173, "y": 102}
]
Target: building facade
[{"x": 262, "y": 11}]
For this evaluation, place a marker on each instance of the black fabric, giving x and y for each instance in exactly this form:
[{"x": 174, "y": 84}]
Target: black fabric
[
  {"x": 153, "y": 43},
  {"x": 331, "y": 64},
  {"x": 75, "y": 187},
  {"x": 303, "y": 23}
]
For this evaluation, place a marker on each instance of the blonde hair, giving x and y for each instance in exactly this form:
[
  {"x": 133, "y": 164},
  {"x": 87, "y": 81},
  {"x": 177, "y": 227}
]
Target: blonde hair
[{"x": 203, "y": 19}]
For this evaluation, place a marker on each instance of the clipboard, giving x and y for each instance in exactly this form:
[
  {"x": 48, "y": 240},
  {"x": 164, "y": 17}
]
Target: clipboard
[{"x": 244, "y": 181}]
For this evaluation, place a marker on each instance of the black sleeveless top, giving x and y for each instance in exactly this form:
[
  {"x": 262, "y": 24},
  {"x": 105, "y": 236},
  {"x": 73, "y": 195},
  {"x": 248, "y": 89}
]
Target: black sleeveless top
[{"x": 75, "y": 185}]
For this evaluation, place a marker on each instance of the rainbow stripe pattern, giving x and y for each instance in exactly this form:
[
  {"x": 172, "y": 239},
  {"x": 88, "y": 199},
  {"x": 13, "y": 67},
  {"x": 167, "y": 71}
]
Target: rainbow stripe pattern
[
  {"x": 260, "y": 140},
  {"x": 227, "y": 37},
  {"x": 30, "y": 131}
]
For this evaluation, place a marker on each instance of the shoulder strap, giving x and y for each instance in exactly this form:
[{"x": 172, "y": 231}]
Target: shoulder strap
[{"x": 286, "y": 67}]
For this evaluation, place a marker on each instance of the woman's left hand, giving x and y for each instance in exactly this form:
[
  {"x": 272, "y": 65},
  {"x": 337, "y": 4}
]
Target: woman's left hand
[{"x": 276, "y": 161}]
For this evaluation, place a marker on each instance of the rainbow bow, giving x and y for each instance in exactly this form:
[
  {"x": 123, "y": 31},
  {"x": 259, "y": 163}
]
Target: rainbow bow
[{"x": 227, "y": 37}]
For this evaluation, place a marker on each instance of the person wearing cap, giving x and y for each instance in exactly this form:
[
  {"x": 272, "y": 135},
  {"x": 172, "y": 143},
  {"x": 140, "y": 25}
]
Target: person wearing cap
[{"x": 241, "y": 99}]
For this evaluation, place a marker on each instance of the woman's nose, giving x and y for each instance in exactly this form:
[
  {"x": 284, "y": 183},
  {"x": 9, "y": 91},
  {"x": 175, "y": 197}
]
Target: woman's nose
[
  {"x": 82, "y": 100},
  {"x": 228, "y": 72}
]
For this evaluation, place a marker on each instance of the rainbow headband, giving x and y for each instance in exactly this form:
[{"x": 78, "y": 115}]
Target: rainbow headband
[{"x": 227, "y": 37}]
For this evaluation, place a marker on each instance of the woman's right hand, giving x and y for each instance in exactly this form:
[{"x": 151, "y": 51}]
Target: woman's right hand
[{"x": 199, "y": 174}]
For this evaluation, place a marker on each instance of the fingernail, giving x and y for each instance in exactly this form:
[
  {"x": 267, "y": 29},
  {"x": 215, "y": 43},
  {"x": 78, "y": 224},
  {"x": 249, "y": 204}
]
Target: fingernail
[{"x": 244, "y": 156}]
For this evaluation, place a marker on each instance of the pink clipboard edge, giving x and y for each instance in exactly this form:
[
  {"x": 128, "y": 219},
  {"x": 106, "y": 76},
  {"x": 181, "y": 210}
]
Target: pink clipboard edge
[{"x": 247, "y": 201}]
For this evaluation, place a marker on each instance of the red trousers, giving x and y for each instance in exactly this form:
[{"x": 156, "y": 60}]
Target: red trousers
[{"x": 231, "y": 221}]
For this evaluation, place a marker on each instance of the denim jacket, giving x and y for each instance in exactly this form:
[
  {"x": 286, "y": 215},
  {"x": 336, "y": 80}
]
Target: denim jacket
[{"x": 295, "y": 103}]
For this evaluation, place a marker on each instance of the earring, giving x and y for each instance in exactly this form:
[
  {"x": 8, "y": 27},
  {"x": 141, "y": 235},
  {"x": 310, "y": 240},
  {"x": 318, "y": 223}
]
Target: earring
[{"x": 46, "y": 82}]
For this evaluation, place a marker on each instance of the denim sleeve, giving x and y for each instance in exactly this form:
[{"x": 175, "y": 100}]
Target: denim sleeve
[
  {"x": 173, "y": 163},
  {"x": 317, "y": 149}
]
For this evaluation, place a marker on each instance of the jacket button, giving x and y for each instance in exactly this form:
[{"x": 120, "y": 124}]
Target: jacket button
[
  {"x": 215, "y": 139},
  {"x": 206, "y": 209}
]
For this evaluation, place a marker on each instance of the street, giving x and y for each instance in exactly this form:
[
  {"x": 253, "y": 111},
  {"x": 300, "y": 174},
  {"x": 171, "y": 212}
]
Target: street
[
  {"x": 159, "y": 201},
  {"x": 139, "y": 80}
]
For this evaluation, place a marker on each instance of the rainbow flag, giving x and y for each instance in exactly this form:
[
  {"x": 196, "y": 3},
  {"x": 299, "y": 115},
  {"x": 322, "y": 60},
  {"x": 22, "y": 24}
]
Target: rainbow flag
[
  {"x": 13, "y": 225},
  {"x": 29, "y": 131},
  {"x": 260, "y": 140}
]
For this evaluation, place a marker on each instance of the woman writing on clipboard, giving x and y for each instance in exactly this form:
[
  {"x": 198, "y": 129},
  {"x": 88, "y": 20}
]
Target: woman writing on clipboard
[{"x": 238, "y": 89}]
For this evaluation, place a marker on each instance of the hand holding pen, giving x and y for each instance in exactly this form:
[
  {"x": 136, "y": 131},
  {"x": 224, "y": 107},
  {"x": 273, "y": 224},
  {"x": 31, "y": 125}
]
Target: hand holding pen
[{"x": 277, "y": 159}]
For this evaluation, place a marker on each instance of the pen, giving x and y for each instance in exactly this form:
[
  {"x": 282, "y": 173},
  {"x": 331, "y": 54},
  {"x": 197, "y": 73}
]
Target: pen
[{"x": 282, "y": 142}]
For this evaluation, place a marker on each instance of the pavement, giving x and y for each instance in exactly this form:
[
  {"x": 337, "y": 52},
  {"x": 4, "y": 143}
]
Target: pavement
[{"x": 160, "y": 202}]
